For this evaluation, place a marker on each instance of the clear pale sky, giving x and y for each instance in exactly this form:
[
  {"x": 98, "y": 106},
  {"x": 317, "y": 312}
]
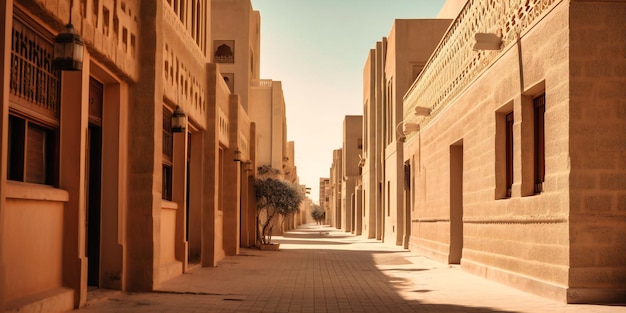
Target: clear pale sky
[{"x": 317, "y": 49}]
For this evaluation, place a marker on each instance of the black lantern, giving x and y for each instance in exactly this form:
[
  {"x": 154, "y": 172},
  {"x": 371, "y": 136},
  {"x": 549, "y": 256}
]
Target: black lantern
[
  {"x": 68, "y": 50},
  {"x": 237, "y": 155},
  {"x": 179, "y": 120}
]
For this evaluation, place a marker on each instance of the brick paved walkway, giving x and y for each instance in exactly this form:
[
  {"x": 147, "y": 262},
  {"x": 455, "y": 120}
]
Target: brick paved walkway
[{"x": 321, "y": 269}]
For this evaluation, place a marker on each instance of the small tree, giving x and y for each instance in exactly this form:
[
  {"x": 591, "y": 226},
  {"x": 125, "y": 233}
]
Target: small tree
[
  {"x": 318, "y": 214},
  {"x": 274, "y": 198}
]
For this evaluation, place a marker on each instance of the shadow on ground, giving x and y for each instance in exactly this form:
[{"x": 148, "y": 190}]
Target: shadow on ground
[{"x": 344, "y": 273}]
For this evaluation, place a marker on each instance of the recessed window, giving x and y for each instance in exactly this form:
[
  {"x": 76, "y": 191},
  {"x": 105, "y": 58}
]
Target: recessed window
[
  {"x": 229, "y": 79},
  {"x": 540, "y": 145},
  {"x": 34, "y": 102},
  {"x": 509, "y": 153},
  {"x": 389, "y": 119},
  {"x": 32, "y": 155},
  {"x": 224, "y": 51},
  {"x": 504, "y": 142},
  {"x": 168, "y": 149},
  {"x": 182, "y": 13},
  {"x": 388, "y": 198}
]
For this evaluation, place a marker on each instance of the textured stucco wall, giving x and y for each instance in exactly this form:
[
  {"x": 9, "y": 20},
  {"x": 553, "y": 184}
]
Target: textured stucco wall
[
  {"x": 597, "y": 150},
  {"x": 521, "y": 240}
]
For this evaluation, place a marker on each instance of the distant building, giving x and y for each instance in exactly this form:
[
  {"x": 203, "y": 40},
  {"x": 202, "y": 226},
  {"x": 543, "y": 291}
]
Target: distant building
[
  {"x": 409, "y": 45},
  {"x": 372, "y": 156},
  {"x": 267, "y": 110},
  {"x": 333, "y": 216},
  {"x": 389, "y": 71},
  {"x": 324, "y": 196},
  {"x": 350, "y": 171}
]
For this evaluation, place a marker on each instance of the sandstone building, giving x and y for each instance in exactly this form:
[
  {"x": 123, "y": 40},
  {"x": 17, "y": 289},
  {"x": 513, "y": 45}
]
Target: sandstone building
[
  {"x": 495, "y": 141},
  {"x": 515, "y": 168},
  {"x": 99, "y": 184},
  {"x": 350, "y": 172}
]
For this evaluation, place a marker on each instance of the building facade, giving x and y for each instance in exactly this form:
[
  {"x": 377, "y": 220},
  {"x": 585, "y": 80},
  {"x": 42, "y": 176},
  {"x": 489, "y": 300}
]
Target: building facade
[
  {"x": 235, "y": 39},
  {"x": 333, "y": 216},
  {"x": 99, "y": 189},
  {"x": 516, "y": 170},
  {"x": 324, "y": 197},
  {"x": 409, "y": 45},
  {"x": 267, "y": 111},
  {"x": 390, "y": 69},
  {"x": 350, "y": 171},
  {"x": 372, "y": 172}
]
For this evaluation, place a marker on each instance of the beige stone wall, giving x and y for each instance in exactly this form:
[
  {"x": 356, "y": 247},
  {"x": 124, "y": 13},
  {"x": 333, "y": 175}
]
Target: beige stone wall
[
  {"x": 373, "y": 141},
  {"x": 352, "y": 144},
  {"x": 521, "y": 240},
  {"x": 545, "y": 243},
  {"x": 597, "y": 151},
  {"x": 261, "y": 114},
  {"x": 33, "y": 265}
]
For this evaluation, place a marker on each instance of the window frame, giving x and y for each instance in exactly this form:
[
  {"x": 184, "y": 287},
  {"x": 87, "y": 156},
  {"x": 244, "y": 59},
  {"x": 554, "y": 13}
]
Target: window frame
[
  {"x": 167, "y": 156},
  {"x": 22, "y": 162},
  {"x": 509, "y": 152},
  {"x": 34, "y": 105},
  {"x": 539, "y": 108}
]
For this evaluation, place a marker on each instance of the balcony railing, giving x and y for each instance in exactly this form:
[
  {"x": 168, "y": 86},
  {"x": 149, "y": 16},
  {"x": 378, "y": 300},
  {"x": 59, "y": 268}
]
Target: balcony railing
[
  {"x": 454, "y": 64},
  {"x": 261, "y": 83}
]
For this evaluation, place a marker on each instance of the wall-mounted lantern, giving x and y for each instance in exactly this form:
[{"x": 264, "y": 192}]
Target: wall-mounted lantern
[
  {"x": 179, "y": 120},
  {"x": 68, "y": 48},
  {"x": 237, "y": 155}
]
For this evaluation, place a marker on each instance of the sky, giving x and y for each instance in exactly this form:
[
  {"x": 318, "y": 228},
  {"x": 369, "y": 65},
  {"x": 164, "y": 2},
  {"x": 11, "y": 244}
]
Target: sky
[{"x": 317, "y": 49}]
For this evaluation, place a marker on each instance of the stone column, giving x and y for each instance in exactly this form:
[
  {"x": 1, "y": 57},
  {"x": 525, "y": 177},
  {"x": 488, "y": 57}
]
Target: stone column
[
  {"x": 144, "y": 156},
  {"x": 72, "y": 170}
]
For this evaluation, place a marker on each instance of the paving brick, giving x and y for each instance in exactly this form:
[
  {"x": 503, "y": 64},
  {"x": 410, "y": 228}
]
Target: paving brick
[{"x": 334, "y": 273}]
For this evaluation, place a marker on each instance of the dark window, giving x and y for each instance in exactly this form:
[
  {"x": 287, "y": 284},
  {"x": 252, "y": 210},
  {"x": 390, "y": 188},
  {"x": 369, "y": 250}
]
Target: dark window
[
  {"x": 166, "y": 188},
  {"x": 224, "y": 51},
  {"x": 509, "y": 153},
  {"x": 388, "y": 198},
  {"x": 389, "y": 111},
  {"x": 540, "y": 151},
  {"x": 182, "y": 12},
  {"x": 168, "y": 148},
  {"x": 16, "y": 148},
  {"x": 32, "y": 152},
  {"x": 34, "y": 103}
]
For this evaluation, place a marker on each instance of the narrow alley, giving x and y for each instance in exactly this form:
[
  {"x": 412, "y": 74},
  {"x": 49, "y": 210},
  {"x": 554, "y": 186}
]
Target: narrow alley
[{"x": 322, "y": 269}]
